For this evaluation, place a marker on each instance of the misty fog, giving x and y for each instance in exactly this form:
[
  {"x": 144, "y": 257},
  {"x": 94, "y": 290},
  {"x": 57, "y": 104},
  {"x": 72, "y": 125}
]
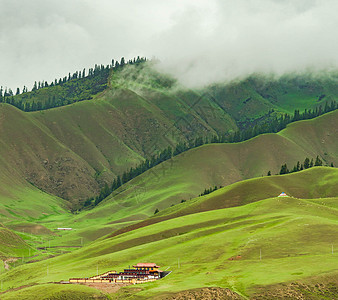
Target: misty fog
[{"x": 198, "y": 42}]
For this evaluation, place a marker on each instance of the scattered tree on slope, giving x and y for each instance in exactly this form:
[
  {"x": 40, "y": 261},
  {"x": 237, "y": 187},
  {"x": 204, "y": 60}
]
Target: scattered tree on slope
[
  {"x": 298, "y": 167},
  {"x": 168, "y": 153}
]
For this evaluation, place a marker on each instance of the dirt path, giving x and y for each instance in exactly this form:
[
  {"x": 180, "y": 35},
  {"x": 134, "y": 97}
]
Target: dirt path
[
  {"x": 7, "y": 261},
  {"x": 106, "y": 287}
]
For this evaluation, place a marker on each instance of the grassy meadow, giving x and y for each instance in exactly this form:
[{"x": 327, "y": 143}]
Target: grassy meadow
[
  {"x": 54, "y": 159},
  {"x": 278, "y": 239},
  {"x": 183, "y": 177}
]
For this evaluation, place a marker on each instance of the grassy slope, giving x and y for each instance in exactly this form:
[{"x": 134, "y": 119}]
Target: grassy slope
[
  {"x": 134, "y": 117},
  {"x": 11, "y": 244},
  {"x": 186, "y": 176},
  {"x": 294, "y": 236},
  {"x": 304, "y": 185},
  {"x": 50, "y": 291},
  {"x": 30, "y": 152},
  {"x": 61, "y": 149},
  {"x": 254, "y": 96}
]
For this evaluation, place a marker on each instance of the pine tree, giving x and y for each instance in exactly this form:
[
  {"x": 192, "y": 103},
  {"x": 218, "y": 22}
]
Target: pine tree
[
  {"x": 318, "y": 161},
  {"x": 294, "y": 169},
  {"x": 311, "y": 163},
  {"x": 284, "y": 170},
  {"x": 296, "y": 115},
  {"x": 122, "y": 63},
  {"x": 269, "y": 173},
  {"x": 298, "y": 166}
]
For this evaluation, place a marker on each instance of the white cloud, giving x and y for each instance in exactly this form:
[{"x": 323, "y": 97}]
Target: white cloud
[{"x": 197, "y": 41}]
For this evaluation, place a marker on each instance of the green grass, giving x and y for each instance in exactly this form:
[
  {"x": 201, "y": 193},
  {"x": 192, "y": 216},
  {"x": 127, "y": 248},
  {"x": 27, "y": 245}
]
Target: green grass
[
  {"x": 24, "y": 207},
  {"x": 52, "y": 291},
  {"x": 140, "y": 112},
  {"x": 12, "y": 245},
  {"x": 70, "y": 151},
  {"x": 182, "y": 177},
  {"x": 186, "y": 176},
  {"x": 293, "y": 235}
]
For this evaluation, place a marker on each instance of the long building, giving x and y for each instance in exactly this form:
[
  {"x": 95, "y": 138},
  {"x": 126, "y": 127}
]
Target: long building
[{"x": 142, "y": 272}]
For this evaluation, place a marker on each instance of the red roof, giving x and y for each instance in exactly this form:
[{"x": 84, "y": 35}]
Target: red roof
[{"x": 146, "y": 265}]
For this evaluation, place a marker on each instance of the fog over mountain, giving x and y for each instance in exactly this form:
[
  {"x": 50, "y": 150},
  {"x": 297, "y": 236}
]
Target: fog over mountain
[{"x": 197, "y": 41}]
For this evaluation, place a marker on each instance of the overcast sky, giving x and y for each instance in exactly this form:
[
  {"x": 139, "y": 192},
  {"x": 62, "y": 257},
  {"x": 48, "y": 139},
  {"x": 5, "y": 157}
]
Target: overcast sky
[{"x": 198, "y": 41}]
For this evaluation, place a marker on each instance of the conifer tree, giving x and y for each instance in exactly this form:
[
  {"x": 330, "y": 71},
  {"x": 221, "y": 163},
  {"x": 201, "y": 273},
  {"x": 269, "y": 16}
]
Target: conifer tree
[
  {"x": 284, "y": 170},
  {"x": 311, "y": 163},
  {"x": 318, "y": 161},
  {"x": 122, "y": 63}
]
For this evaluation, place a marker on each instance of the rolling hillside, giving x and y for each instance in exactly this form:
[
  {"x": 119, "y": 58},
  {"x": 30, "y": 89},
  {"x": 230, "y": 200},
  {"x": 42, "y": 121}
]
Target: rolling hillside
[
  {"x": 71, "y": 151},
  {"x": 290, "y": 237},
  {"x": 11, "y": 244},
  {"x": 51, "y": 160},
  {"x": 187, "y": 175}
]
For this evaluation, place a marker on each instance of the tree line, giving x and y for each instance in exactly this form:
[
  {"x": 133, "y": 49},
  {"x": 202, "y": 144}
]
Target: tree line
[
  {"x": 79, "y": 86},
  {"x": 301, "y": 166},
  {"x": 275, "y": 124},
  {"x": 238, "y": 136},
  {"x": 210, "y": 190},
  {"x": 283, "y": 170}
]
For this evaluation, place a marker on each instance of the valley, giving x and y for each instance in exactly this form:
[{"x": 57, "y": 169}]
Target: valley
[{"x": 240, "y": 238}]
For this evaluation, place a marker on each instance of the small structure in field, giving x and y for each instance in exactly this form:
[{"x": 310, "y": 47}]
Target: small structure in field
[
  {"x": 64, "y": 228},
  {"x": 283, "y": 195},
  {"x": 237, "y": 257},
  {"x": 142, "y": 272}
]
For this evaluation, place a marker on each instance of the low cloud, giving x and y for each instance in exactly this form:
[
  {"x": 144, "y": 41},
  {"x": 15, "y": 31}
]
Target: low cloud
[{"x": 199, "y": 42}]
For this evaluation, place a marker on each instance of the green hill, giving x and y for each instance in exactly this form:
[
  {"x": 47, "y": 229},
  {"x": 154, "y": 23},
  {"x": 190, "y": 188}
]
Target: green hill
[
  {"x": 185, "y": 176},
  {"x": 53, "y": 291},
  {"x": 252, "y": 97},
  {"x": 317, "y": 182},
  {"x": 11, "y": 244},
  {"x": 274, "y": 239},
  {"x": 78, "y": 134},
  {"x": 133, "y": 113}
]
